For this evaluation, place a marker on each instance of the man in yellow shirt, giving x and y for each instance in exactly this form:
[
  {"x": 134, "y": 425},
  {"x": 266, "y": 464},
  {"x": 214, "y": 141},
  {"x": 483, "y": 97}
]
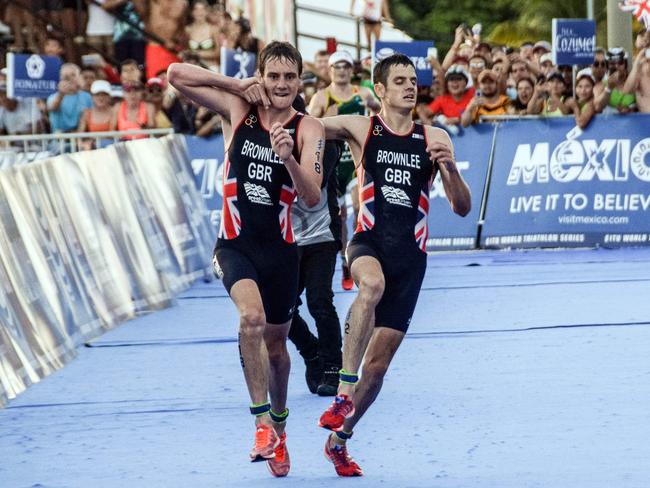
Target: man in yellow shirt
[{"x": 487, "y": 100}]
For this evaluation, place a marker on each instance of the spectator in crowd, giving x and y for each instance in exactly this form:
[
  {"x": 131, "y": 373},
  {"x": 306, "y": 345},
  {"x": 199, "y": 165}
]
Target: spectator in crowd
[
  {"x": 166, "y": 18},
  {"x": 487, "y": 100},
  {"x": 599, "y": 70},
  {"x": 100, "y": 27},
  {"x": 447, "y": 108},
  {"x": 582, "y": 106},
  {"x": 53, "y": 47},
  {"x": 546, "y": 66},
  {"x": 526, "y": 51},
  {"x": 485, "y": 50},
  {"x": 206, "y": 123},
  {"x": 242, "y": 37},
  {"x": 461, "y": 47},
  {"x": 372, "y": 14},
  {"x": 154, "y": 96},
  {"x": 202, "y": 36},
  {"x": 180, "y": 111},
  {"x": 320, "y": 68},
  {"x": 614, "y": 99},
  {"x": 68, "y": 104},
  {"x": 19, "y": 116},
  {"x": 130, "y": 71},
  {"x": 548, "y": 96},
  {"x": 133, "y": 113},
  {"x": 567, "y": 72},
  {"x": 20, "y": 22},
  {"x": 88, "y": 77},
  {"x": 98, "y": 117},
  {"x": 519, "y": 106},
  {"x": 539, "y": 49},
  {"x": 309, "y": 82},
  {"x": 477, "y": 63},
  {"x": 128, "y": 40},
  {"x": 638, "y": 83}
]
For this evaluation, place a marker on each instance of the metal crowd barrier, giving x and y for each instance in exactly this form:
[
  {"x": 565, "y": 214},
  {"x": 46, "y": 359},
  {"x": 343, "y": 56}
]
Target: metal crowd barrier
[{"x": 45, "y": 145}]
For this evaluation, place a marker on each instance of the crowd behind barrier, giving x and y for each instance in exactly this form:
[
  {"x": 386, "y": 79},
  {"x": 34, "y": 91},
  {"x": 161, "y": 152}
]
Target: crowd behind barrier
[
  {"x": 87, "y": 240},
  {"x": 535, "y": 183}
]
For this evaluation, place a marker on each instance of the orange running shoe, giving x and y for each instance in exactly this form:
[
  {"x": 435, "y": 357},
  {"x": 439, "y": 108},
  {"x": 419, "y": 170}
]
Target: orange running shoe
[
  {"x": 340, "y": 409},
  {"x": 347, "y": 282},
  {"x": 266, "y": 440},
  {"x": 280, "y": 464},
  {"x": 343, "y": 463}
]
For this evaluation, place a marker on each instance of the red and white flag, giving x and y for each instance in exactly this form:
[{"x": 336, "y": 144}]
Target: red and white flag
[{"x": 639, "y": 8}]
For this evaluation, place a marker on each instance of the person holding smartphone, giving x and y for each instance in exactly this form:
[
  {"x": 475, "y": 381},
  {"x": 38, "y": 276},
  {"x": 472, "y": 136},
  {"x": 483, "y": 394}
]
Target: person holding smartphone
[{"x": 487, "y": 101}]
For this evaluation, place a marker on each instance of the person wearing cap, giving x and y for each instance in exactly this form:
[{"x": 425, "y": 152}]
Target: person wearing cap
[
  {"x": 548, "y": 98},
  {"x": 613, "y": 98},
  {"x": 69, "y": 102},
  {"x": 133, "y": 113},
  {"x": 638, "y": 83},
  {"x": 582, "y": 105},
  {"x": 341, "y": 97},
  {"x": 455, "y": 99},
  {"x": 487, "y": 99},
  {"x": 539, "y": 49},
  {"x": 546, "y": 65},
  {"x": 98, "y": 117},
  {"x": 154, "y": 95}
]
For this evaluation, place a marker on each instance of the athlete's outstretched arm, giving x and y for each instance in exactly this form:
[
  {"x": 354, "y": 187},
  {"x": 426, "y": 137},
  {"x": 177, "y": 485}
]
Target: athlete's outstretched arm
[
  {"x": 306, "y": 174},
  {"x": 215, "y": 91},
  {"x": 441, "y": 152}
]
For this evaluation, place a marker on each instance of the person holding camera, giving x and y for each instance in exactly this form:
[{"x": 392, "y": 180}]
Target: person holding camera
[
  {"x": 69, "y": 102},
  {"x": 638, "y": 82},
  {"x": 548, "y": 96},
  {"x": 488, "y": 100}
]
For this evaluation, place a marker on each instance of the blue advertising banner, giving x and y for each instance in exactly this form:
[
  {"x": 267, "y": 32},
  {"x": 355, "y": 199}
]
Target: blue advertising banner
[
  {"x": 31, "y": 75},
  {"x": 416, "y": 50},
  {"x": 554, "y": 185},
  {"x": 446, "y": 229},
  {"x": 206, "y": 157},
  {"x": 574, "y": 41},
  {"x": 238, "y": 64}
]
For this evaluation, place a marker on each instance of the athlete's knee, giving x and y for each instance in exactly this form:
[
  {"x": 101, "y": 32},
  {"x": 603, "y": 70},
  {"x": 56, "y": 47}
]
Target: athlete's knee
[
  {"x": 277, "y": 352},
  {"x": 252, "y": 321},
  {"x": 371, "y": 287}
]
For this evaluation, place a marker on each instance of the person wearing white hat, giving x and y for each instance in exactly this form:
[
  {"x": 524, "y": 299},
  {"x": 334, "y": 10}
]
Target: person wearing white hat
[
  {"x": 582, "y": 106},
  {"x": 98, "y": 117},
  {"x": 341, "y": 97}
]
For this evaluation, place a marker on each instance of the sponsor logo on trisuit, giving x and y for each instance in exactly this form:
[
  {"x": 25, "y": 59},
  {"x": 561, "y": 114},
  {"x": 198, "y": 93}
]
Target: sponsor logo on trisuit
[
  {"x": 396, "y": 196},
  {"x": 257, "y": 194}
]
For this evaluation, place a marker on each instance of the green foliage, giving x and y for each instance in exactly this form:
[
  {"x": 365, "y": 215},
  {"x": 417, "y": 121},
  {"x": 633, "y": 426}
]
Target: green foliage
[{"x": 504, "y": 21}]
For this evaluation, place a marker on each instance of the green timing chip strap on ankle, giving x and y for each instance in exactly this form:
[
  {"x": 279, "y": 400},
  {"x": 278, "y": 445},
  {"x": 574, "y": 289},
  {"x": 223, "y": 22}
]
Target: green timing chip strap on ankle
[
  {"x": 260, "y": 409},
  {"x": 279, "y": 418},
  {"x": 348, "y": 378}
]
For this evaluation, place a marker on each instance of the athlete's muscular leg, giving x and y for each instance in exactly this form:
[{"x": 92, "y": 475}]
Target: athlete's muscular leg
[
  {"x": 380, "y": 352},
  {"x": 360, "y": 322},
  {"x": 275, "y": 337},
  {"x": 254, "y": 355}
]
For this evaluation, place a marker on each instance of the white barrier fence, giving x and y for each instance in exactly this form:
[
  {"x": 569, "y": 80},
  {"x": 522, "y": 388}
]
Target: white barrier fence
[{"x": 87, "y": 240}]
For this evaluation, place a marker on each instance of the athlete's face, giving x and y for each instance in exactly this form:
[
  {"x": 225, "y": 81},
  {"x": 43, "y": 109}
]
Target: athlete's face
[
  {"x": 401, "y": 87},
  {"x": 281, "y": 82}
]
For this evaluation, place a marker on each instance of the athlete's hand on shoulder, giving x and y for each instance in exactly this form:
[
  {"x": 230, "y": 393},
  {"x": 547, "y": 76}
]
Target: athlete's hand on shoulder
[
  {"x": 281, "y": 141},
  {"x": 441, "y": 153},
  {"x": 255, "y": 93}
]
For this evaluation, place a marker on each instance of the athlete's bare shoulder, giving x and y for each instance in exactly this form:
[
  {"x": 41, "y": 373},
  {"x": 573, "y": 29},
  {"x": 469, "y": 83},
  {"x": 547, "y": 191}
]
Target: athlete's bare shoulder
[{"x": 435, "y": 134}]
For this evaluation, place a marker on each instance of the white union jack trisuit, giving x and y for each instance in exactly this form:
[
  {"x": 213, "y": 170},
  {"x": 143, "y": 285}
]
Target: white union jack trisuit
[
  {"x": 256, "y": 240},
  {"x": 394, "y": 182}
]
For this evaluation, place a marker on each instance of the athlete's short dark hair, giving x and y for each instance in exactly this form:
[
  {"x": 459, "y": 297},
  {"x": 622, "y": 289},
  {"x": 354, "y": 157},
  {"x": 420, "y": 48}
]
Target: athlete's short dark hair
[
  {"x": 280, "y": 50},
  {"x": 382, "y": 68}
]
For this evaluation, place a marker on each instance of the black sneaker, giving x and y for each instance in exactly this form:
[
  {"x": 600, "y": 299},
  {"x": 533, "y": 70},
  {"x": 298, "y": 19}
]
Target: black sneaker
[
  {"x": 329, "y": 381},
  {"x": 313, "y": 373}
]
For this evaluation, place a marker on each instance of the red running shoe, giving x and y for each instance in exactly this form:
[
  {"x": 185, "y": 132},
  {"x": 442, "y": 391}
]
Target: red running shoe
[
  {"x": 343, "y": 463},
  {"x": 266, "y": 440},
  {"x": 347, "y": 282},
  {"x": 280, "y": 464},
  {"x": 340, "y": 409}
]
